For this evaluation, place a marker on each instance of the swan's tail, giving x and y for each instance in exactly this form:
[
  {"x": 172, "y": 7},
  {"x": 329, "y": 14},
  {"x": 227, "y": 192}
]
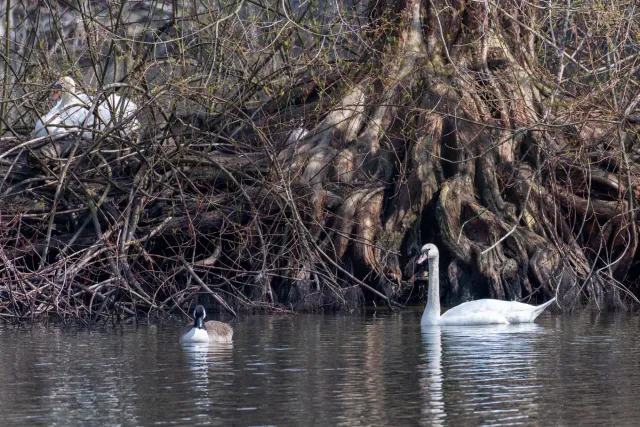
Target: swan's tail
[{"x": 540, "y": 308}]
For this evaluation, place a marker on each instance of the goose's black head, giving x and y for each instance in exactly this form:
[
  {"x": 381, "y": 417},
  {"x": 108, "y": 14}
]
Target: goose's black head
[
  {"x": 199, "y": 314},
  {"x": 428, "y": 251}
]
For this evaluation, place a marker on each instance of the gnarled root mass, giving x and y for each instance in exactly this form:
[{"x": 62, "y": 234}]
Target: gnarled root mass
[{"x": 505, "y": 133}]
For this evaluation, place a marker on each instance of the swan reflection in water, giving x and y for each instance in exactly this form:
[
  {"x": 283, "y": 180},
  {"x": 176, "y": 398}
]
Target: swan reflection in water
[{"x": 477, "y": 360}]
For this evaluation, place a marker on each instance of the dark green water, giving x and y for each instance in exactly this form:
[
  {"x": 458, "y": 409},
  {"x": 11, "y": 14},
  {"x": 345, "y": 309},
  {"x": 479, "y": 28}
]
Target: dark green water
[{"x": 327, "y": 370}]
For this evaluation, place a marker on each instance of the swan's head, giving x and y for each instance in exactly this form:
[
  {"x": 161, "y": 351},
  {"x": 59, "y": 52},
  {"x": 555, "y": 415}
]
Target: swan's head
[
  {"x": 428, "y": 251},
  {"x": 199, "y": 314},
  {"x": 65, "y": 84}
]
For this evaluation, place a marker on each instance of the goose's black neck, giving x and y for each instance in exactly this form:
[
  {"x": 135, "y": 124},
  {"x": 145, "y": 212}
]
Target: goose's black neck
[
  {"x": 198, "y": 315},
  {"x": 199, "y": 322}
]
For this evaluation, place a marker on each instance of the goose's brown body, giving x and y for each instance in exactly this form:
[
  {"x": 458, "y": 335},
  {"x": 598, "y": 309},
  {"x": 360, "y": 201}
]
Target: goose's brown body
[{"x": 218, "y": 331}]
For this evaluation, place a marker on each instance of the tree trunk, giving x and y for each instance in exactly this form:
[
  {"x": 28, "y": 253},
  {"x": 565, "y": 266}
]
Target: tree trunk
[{"x": 475, "y": 154}]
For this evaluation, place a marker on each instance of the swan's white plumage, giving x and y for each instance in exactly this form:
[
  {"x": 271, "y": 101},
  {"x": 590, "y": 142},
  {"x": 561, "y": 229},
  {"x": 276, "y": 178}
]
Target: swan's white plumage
[
  {"x": 480, "y": 312},
  {"x": 71, "y": 113},
  {"x": 116, "y": 109},
  {"x": 67, "y": 116},
  {"x": 489, "y": 311}
]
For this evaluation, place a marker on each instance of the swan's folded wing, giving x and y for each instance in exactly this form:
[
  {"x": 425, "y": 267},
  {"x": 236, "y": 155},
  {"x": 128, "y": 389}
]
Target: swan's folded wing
[
  {"x": 76, "y": 116},
  {"x": 123, "y": 107},
  {"x": 474, "y": 318},
  {"x": 494, "y": 310},
  {"x": 116, "y": 109},
  {"x": 49, "y": 125},
  {"x": 39, "y": 129},
  {"x": 492, "y": 305}
]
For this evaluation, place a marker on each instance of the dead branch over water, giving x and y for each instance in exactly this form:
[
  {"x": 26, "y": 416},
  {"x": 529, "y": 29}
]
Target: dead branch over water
[{"x": 505, "y": 132}]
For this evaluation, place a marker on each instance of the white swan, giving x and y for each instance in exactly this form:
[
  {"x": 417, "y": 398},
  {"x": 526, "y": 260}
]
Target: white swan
[
  {"x": 211, "y": 331},
  {"x": 117, "y": 109},
  {"x": 68, "y": 114},
  {"x": 479, "y": 312},
  {"x": 71, "y": 113}
]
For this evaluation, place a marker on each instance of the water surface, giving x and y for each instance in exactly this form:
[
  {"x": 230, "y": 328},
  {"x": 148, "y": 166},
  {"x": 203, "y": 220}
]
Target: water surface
[{"x": 326, "y": 370}]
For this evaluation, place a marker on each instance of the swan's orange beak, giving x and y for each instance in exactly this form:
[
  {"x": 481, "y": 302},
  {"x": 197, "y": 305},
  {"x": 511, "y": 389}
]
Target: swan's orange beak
[
  {"x": 421, "y": 259},
  {"x": 57, "y": 91}
]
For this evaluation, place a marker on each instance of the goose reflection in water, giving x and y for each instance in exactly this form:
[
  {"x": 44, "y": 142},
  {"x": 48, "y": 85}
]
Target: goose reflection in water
[
  {"x": 206, "y": 361},
  {"x": 482, "y": 360},
  {"x": 201, "y": 357}
]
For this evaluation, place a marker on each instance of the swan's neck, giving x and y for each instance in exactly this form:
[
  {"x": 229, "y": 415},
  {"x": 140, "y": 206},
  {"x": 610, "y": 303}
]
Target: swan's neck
[
  {"x": 431, "y": 314},
  {"x": 58, "y": 105},
  {"x": 66, "y": 99},
  {"x": 69, "y": 98}
]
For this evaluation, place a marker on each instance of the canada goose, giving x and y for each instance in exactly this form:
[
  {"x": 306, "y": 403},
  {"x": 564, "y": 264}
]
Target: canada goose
[
  {"x": 71, "y": 113},
  {"x": 211, "y": 331},
  {"x": 480, "y": 312}
]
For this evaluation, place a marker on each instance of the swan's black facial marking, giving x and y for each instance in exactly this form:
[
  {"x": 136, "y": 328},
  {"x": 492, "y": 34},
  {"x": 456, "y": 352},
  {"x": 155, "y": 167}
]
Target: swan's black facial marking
[
  {"x": 424, "y": 255},
  {"x": 57, "y": 90},
  {"x": 429, "y": 251}
]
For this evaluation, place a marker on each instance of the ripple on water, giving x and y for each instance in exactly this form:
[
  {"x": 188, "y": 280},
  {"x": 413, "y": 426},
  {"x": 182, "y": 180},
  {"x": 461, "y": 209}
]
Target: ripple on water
[{"x": 326, "y": 370}]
